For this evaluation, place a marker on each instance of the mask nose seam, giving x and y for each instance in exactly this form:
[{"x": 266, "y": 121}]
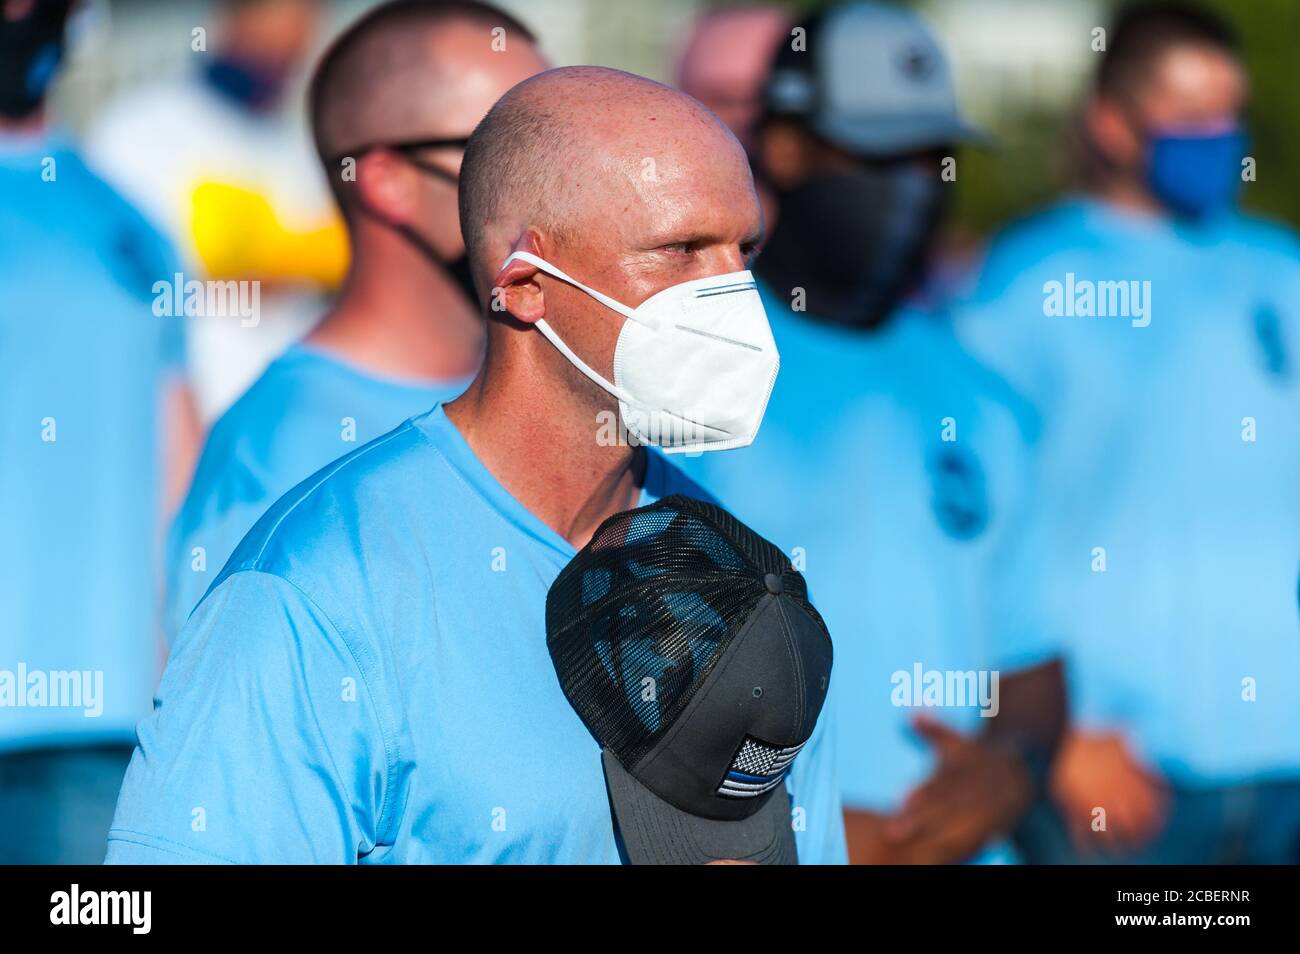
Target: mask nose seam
[{"x": 730, "y": 341}]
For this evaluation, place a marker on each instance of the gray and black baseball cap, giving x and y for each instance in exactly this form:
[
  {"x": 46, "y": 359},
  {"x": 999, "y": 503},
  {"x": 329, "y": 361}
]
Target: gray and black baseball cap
[
  {"x": 870, "y": 78},
  {"x": 687, "y": 645}
]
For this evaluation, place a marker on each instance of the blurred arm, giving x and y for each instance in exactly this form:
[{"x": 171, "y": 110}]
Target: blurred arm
[
  {"x": 182, "y": 441},
  {"x": 1032, "y": 716}
]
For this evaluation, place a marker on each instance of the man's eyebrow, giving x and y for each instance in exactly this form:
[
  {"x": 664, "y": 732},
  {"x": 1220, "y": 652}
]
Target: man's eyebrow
[{"x": 752, "y": 238}]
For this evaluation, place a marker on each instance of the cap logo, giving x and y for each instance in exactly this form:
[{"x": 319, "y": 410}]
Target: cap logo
[
  {"x": 757, "y": 768},
  {"x": 960, "y": 497},
  {"x": 917, "y": 63}
]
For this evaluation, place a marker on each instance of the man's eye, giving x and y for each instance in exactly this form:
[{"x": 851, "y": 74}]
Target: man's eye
[{"x": 680, "y": 248}]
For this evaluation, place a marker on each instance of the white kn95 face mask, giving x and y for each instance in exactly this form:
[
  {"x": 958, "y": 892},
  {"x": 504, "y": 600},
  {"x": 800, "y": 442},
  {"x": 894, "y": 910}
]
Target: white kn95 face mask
[{"x": 694, "y": 364}]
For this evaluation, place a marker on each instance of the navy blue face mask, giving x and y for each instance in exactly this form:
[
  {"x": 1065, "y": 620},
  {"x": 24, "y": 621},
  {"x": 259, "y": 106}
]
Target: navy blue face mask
[
  {"x": 1196, "y": 176},
  {"x": 252, "y": 88}
]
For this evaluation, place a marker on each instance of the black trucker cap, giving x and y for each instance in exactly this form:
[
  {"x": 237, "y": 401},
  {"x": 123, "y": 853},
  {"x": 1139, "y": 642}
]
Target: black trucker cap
[{"x": 687, "y": 645}]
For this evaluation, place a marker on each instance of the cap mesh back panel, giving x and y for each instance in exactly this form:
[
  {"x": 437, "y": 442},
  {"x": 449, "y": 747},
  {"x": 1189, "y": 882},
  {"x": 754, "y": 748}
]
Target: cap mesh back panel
[{"x": 638, "y": 618}]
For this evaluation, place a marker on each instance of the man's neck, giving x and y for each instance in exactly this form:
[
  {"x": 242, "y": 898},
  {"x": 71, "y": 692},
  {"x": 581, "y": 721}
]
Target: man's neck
[
  {"x": 400, "y": 315},
  {"x": 29, "y": 126},
  {"x": 540, "y": 438},
  {"x": 1129, "y": 196}
]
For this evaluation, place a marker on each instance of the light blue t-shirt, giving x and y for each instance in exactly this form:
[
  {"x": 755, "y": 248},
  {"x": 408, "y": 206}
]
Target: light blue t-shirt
[
  {"x": 1171, "y": 447},
  {"x": 369, "y": 681},
  {"x": 892, "y": 469},
  {"x": 83, "y": 364},
  {"x": 307, "y": 409}
]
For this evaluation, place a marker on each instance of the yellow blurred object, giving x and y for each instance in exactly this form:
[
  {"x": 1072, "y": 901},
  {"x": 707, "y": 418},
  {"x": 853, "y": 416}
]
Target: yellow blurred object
[{"x": 238, "y": 235}]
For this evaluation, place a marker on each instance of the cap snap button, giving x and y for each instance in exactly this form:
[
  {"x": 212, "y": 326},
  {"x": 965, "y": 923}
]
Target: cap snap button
[{"x": 773, "y": 583}]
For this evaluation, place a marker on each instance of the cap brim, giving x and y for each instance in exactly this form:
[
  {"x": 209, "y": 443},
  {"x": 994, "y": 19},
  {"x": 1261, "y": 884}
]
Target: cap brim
[
  {"x": 657, "y": 833},
  {"x": 881, "y": 136}
]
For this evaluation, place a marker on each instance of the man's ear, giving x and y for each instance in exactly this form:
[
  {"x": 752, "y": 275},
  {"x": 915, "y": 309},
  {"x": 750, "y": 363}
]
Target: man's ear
[
  {"x": 515, "y": 288},
  {"x": 1111, "y": 132},
  {"x": 383, "y": 186}
]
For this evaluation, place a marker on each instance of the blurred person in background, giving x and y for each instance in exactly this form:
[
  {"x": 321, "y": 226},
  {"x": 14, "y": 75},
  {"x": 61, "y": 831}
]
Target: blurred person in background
[
  {"x": 95, "y": 426},
  {"x": 1157, "y": 330},
  {"x": 909, "y": 460},
  {"x": 213, "y": 159},
  {"x": 392, "y": 104},
  {"x": 724, "y": 64}
]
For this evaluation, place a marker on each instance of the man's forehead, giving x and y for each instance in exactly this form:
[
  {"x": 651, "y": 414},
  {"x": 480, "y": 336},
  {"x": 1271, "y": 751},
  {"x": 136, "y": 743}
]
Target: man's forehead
[
  {"x": 622, "y": 157},
  {"x": 1190, "y": 68},
  {"x": 702, "y": 160},
  {"x": 658, "y": 152},
  {"x": 480, "y": 81},
  {"x": 715, "y": 202}
]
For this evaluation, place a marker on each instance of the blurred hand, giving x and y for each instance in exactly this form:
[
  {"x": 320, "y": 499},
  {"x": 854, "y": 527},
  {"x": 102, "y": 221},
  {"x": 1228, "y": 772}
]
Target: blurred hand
[
  {"x": 1097, "y": 770},
  {"x": 865, "y": 833},
  {"x": 978, "y": 790}
]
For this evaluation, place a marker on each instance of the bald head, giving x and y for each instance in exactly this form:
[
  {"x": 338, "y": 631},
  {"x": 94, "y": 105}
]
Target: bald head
[
  {"x": 415, "y": 69},
  {"x": 592, "y": 152}
]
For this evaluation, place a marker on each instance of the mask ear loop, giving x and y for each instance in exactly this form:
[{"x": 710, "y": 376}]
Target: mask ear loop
[
  {"x": 610, "y": 303},
  {"x": 545, "y": 328}
]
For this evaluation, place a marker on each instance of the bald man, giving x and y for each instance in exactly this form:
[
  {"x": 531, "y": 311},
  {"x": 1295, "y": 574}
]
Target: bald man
[
  {"x": 392, "y": 104},
  {"x": 368, "y": 679}
]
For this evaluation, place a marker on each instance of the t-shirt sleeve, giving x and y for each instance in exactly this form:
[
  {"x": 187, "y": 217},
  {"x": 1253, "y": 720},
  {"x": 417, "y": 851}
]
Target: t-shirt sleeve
[
  {"x": 265, "y": 744},
  {"x": 817, "y": 811}
]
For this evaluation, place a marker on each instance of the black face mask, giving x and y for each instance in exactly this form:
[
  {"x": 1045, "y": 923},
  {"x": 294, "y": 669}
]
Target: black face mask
[
  {"x": 30, "y": 51},
  {"x": 458, "y": 268},
  {"x": 856, "y": 242}
]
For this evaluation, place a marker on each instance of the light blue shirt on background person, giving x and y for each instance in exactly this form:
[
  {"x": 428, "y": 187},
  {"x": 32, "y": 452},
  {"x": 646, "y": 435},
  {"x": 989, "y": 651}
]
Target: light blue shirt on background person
[
  {"x": 1171, "y": 448},
  {"x": 368, "y": 681},
  {"x": 84, "y": 364},
  {"x": 307, "y": 409},
  {"x": 893, "y": 469}
]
